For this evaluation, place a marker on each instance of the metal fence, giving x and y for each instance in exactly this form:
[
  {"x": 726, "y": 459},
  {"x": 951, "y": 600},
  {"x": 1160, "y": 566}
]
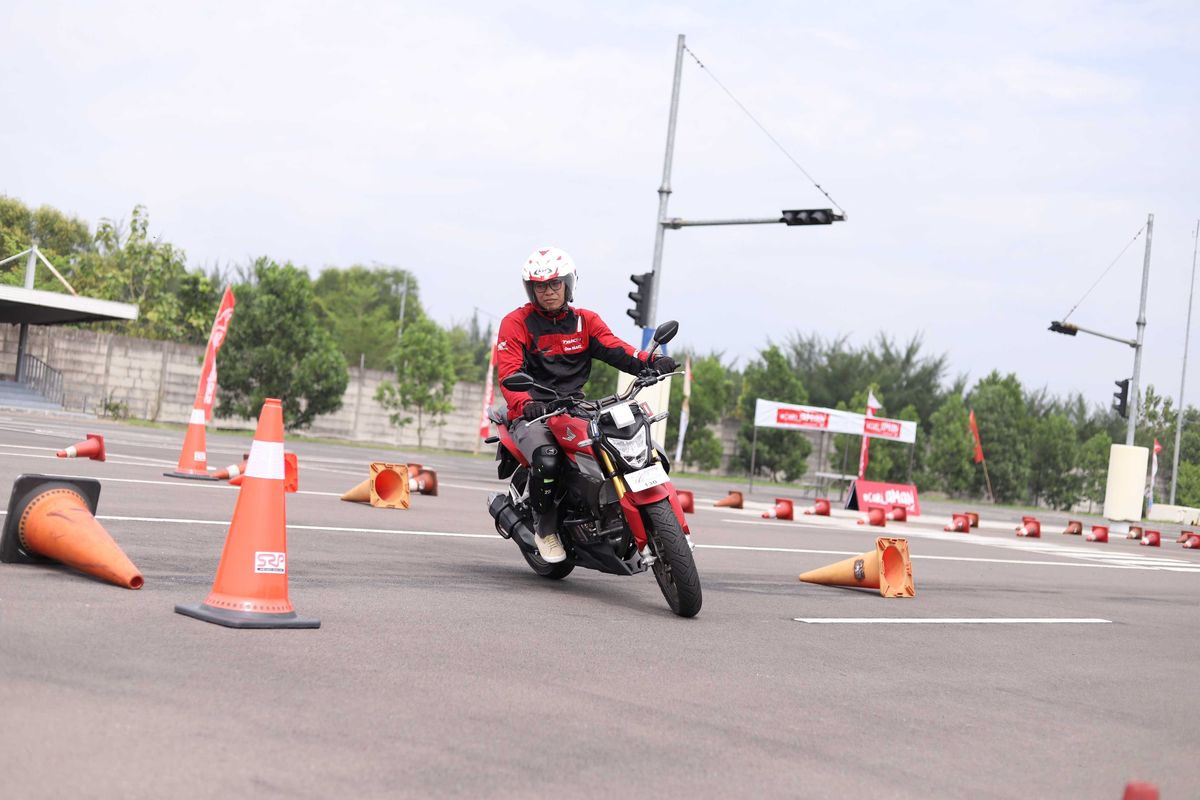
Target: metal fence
[{"x": 41, "y": 377}]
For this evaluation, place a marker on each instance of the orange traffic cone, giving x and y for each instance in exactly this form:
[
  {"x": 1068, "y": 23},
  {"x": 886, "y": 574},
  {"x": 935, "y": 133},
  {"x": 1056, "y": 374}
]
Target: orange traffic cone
[
  {"x": 875, "y": 517},
  {"x": 51, "y": 519},
  {"x": 92, "y": 447},
  {"x": 687, "y": 500},
  {"x": 1030, "y": 527},
  {"x": 193, "y": 460},
  {"x": 387, "y": 487},
  {"x": 236, "y": 480},
  {"x": 251, "y": 586},
  {"x": 898, "y": 513},
  {"x": 1098, "y": 533},
  {"x": 1192, "y": 543},
  {"x": 973, "y": 517},
  {"x": 361, "y": 493},
  {"x": 1135, "y": 532},
  {"x": 423, "y": 481},
  {"x": 1140, "y": 790},
  {"x": 959, "y": 523},
  {"x": 819, "y": 508},
  {"x": 886, "y": 568},
  {"x": 1074, "y": 528},
  {"x": 233, "y": 470},
  {"x": 1183, "y": 537},
  {"x": 1151, "y": 539},
  {"x": 732, "y": 500},
  {"x": 291, "y": 472},
  {"x": 784, "y": 509}
]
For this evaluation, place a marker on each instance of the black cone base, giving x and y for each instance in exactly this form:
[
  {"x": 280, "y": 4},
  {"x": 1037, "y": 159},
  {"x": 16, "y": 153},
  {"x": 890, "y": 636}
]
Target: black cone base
[
  {"x": 190, "y": 476},
  {"x": 245, "y": 619}
]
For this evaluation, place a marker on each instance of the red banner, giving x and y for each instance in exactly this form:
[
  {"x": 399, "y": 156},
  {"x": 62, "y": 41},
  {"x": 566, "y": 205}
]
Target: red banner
[
  {"x": 207, "y": 391},
  {"x": 865, "y": 494},
  {"x": 975, "y": 433}
]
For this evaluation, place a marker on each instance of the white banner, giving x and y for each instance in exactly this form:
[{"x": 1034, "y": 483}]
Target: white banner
[{"x": 769, "y": 414}]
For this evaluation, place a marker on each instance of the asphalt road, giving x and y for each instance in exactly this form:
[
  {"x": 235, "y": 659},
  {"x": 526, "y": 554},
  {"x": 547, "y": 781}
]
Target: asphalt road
[{"x": 445, "y": 668}]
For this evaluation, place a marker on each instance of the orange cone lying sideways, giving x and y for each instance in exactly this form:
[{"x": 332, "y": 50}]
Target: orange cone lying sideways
[
  {"x": 1030, "y": 527},
  {"x": 687, "y": 500},
  {"x": 1098, "y": 533},
  {"x": 50, "y": 519},
  {"x": 886, "y": 568},
  {"x": 784, "y": 509},
  {"x": 959, "y": 523},
  {"x": 251, "y": 586},
  {"x": 876, "y": 517},
  {"x": 92, "y": 447},
  {"x": 1183, "y": 536},
  {"x": 819, "y": 508},
  {"x": 387, "y": 487},
  {"x": 1074, "y": 528},
  {"x": 233, "y": 470},
  {"x": 422, "y": 481},
  {"x": 1192, "y": 543},
  {"x": 973, "y": 517},
  {"x": 1151, "y": 539},
  {"x": 1135, "y": 532},
  {"x": 898, "y": 513},
  {"x": 732, "y": 500}
]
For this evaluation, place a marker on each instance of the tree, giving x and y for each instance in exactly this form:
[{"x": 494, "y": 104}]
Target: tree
[
  {"x": 951, "y": 447},
  {"x": 360, "y": 307},
  {"x": 424, "y": 377},
  {"x": 712, "y": 386},
  {"x": 1093, "y": 467},
  {"x": 277, "y": 348},
  {"x": 1004, "y": 429},
  {"x": 470, "y": 346},
  {"x": 1053, "y": 474},
  {"x": 61, "y": 238},
  {"x": 778, "y": 451}
]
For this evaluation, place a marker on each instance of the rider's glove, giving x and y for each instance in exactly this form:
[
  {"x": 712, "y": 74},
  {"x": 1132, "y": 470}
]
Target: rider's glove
[
  {"x": 532, "y": 410},
  {"x": 664, "y": 364}
]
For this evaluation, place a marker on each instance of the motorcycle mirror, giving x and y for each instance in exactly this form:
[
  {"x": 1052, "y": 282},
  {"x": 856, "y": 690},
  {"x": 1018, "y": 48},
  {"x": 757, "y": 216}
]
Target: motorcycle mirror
[
  {"x": 666, "y": 332},
  {"x": 518, "y": 382}
]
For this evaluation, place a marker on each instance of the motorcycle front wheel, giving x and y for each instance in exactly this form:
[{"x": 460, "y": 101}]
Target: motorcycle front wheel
[{"x": 675, "y": 569}]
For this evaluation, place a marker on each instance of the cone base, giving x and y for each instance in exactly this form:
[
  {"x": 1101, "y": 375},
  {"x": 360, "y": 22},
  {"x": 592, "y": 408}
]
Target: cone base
[
  {"x": 245, "y": 619},
  {"x": 194, "y": 476}
]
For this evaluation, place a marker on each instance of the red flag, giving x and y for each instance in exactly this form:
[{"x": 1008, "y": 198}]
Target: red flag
[
  {"x": 975, "y": 433},
  {"x": 206, "y": 392}
]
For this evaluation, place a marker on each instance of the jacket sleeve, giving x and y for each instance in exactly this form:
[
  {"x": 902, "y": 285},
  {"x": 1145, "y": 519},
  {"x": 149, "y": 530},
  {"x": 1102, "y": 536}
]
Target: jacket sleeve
[
  {"x": 510, "y": 357},
  {"x": 604, "y": 345}
]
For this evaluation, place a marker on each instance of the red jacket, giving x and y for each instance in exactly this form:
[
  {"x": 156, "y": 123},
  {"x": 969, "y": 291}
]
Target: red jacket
[{"x": 557, "y": 351}]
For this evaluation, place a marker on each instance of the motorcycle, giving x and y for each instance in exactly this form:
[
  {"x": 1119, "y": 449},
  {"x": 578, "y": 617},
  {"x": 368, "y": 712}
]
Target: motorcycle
[{"x": 618, "y": 511}]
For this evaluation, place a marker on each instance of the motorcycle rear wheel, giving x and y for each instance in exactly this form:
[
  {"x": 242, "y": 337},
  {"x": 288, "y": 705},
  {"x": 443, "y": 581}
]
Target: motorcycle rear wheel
[
  {"x": 675, "y": 569},
  {"x": 555, "y": 572}
]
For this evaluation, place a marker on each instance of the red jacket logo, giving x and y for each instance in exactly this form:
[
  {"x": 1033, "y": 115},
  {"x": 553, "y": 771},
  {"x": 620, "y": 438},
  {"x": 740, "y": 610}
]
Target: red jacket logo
[{"x": 801, "y": 418}]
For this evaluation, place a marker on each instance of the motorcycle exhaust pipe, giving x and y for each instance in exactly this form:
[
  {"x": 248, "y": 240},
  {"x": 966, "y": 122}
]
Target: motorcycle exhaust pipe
[{"x": 510, "y": 523}]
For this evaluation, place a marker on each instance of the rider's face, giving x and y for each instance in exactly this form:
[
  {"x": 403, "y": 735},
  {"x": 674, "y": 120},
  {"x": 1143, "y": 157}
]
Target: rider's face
[{"x": 550, "y": 294}]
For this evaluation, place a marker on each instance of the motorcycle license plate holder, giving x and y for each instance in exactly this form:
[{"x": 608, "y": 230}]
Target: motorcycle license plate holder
[{"x": 642, "y": 479}]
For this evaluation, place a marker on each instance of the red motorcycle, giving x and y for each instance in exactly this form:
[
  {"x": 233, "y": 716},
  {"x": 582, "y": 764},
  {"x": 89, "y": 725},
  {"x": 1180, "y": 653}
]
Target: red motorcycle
[{"x": 617, "y": 509}]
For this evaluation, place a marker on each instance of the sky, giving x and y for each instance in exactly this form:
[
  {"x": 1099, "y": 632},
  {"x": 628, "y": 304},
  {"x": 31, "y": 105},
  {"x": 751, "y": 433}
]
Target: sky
[{"x": 992, "y": 158}]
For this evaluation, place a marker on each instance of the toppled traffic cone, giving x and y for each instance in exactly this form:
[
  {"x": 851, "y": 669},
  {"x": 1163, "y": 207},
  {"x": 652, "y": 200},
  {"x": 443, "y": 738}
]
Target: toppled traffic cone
[
  {"x": 387, "y": 487},
  {"x": 251, "y": 586},
  {"x": 51, "y": 518},
  {"x": 898, "y": 513},
  {"x": 422, "y": 481},
  {"x": 959, "y": 523},
  {"x": 687, "y": 500},
  {"x": 291, "y": 472},
  {"x": 819, "y": 508},
  {"x": 1030, "y": 527},
  {"x": 92, "y": 447},
  {"x": 1135, "y": 532},
  {"x": 974, "y": 518},
  {"x": 1074, "y": 528},
  {"x": 193, "y": 459},
  {"x": 1151, "y": 539},
  {"x": 1140, "y": 790},
  {"x": 731, "y": 500},
  {"x": 784, "y": 509},
  {"x": 886, "y": 568},
  {"x": 1183, "y": 536},
  {"x": 233, "y": 470},
  {"x": 876, "y": 517},
  {"x": 236, "y": 480},
  {"x": 1098, "y": 533},
  {"x": 1192, "y": 543}
]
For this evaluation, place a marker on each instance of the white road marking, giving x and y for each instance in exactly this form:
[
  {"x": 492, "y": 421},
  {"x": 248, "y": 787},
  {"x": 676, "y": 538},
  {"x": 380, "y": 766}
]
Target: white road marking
[
  {"x": 291, "y": 527},
  {"x": 950, "y": 621}
]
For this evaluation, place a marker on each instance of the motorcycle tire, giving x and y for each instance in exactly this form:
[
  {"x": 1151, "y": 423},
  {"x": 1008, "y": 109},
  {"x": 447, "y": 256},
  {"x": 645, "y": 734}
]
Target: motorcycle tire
[
  {"x": 555, "y": 572},
  {"x": 675, "y": 569}
]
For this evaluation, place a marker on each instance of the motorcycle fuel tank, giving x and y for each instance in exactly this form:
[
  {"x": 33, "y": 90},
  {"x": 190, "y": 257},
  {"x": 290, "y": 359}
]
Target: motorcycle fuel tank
[{"x": 570, "y": 431}]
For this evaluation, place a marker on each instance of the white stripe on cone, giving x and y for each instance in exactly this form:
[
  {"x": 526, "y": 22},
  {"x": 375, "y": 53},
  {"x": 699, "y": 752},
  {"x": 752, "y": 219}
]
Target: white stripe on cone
[
  {"x": 266, "y": 461},
  {"x": 197, "y": 417}
]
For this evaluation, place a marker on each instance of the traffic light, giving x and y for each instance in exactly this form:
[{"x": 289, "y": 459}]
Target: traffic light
[
  {"x": 1121, "y": 399},
  {"x": 811, "y": 216},
  {"x": 1064, "y": 327},
  {"x": 641, "y": 298}
]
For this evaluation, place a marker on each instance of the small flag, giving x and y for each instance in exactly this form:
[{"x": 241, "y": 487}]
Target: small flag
[
  {"x": 1153, "y": 475},
  {"x": 206, "y": 393},
  {"x": 683, "y": 411},
  {"x": 864, "y": 455},
  {"x": 975, "y": 433}
]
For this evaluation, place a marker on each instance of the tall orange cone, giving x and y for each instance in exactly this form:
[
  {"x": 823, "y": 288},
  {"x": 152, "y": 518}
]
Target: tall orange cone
[
  {"x": 1098, "y": 533},
  {"x": 784, "y": 509},
  {"x": 687, "y": 500},
  {"x": 51, "y": 518},
  {"x": 423, "y": 481},
  {"x": 1030, "y": 527},
  {"x": 92, "y": 447},
  {"x": 732, "y": 500},
  {"x": 193, "y": 459},
  {"x": 959, "y": 523},
  {"x": 1074, "y": 528},
  {"x": 876, "y": 517},
  {"x": 1151, "y": 539},
  {"x": 251, "y": 586},
  {"x": 819, "y": 508},
  {"x": 886, "y": 568}
]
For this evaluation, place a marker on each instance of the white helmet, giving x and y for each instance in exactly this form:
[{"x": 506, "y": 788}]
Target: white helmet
[{"x": 547, "y": 264}]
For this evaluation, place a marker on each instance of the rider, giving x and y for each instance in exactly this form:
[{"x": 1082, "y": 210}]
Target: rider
[{"x": 555, "y": 344}]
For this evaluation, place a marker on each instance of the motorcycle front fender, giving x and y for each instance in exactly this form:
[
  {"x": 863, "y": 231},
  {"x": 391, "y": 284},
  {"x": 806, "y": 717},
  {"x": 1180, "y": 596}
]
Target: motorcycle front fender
[{"x": 632, "y": 502}]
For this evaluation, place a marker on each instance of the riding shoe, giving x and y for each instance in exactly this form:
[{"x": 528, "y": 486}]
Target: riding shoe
[{"x": 550, "y": 548}]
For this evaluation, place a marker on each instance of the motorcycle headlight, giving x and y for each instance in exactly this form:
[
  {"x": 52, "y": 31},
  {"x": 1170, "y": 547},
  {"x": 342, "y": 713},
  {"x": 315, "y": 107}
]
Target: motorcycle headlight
[{"x": 634, "y": 451}]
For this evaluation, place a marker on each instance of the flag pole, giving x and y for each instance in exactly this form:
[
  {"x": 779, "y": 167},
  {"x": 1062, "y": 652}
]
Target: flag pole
[{"x": 991, "y": 494}]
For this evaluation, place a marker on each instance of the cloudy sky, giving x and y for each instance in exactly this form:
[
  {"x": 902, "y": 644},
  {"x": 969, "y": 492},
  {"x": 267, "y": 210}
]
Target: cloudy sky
[{"x": 993, "y": 158}]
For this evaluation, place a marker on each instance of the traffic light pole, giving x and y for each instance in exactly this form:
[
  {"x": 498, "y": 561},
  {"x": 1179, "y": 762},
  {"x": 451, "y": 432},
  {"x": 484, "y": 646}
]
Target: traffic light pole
[
  {"x": 664, "y": 191},
  {"x": 1134, "y": 399}
]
